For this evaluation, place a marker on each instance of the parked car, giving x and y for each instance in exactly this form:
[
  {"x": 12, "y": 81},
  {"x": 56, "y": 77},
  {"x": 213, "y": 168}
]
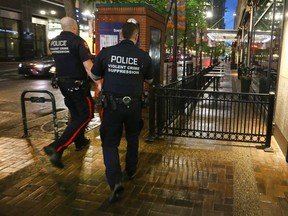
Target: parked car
[
  {"x": 188, "y": 57},
  {"x": 37, "y": 68},
  {"x": 171, "y": 57}
]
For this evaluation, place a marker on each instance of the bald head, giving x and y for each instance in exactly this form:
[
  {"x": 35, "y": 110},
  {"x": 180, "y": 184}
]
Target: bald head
[{"x": 69, "y": 24}]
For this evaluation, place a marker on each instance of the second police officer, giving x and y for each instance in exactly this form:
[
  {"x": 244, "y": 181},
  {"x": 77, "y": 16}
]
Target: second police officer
[
  {"x": 73, "y": 65},
  {"x": 124, "y": 69}
]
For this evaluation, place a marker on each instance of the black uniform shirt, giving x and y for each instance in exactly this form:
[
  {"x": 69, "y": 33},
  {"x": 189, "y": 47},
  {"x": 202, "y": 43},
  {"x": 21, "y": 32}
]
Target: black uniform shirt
[
  {"x": 69, "y": 52},
  {"x": 124, "y": 68}
]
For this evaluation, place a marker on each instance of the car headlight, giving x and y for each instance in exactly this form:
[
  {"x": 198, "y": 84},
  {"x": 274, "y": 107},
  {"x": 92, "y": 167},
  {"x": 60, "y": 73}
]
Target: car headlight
[
  {"x": 40, "y": 66},
  {"x": 20, "y": 65},
  {"x": 52, "y": 70}
]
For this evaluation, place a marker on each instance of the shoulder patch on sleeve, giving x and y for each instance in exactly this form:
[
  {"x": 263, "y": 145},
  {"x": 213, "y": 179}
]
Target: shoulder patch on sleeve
[{"x": 85, "y": 44}]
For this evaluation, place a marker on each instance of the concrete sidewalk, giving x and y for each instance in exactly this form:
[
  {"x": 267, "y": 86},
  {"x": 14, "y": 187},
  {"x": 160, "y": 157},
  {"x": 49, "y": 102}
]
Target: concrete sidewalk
[{"x": 176, "y": 176}]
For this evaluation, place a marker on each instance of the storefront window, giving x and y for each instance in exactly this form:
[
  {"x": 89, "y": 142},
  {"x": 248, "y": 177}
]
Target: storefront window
[
  {"x": 2, "y": 38},
  {"x": 12, "y": 47},
  {"x": 11, "y": 28},
  {"x": 9, "y": 38},
  {"x": 39, "y": 32},
  {"x": 2, "y": 45},
  {"x": 265, "y": 47}
]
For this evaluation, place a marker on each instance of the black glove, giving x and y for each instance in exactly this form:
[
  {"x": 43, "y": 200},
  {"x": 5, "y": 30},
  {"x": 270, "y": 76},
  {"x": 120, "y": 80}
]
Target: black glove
[
  {"x": 54, "y": 82},
  {"x": 145, "y": 99}
]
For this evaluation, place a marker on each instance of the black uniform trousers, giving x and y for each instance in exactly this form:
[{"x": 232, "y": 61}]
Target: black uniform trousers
[
  {"x": 111, "y": 132},
  {"x": 80, "y": 104}
]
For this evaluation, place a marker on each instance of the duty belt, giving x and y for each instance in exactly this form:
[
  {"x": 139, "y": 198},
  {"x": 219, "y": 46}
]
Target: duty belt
[
  {"x": 71, "y": 79},
  {"x": 76, "y": 84},
  {"x": 126, "y": 100}
]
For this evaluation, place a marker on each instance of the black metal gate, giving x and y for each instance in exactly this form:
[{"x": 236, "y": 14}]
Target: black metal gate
[{"x": 211, "y": 115}]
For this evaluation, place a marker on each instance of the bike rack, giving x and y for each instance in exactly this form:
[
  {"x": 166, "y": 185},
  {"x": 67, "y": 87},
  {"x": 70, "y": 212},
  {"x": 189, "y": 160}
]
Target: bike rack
[{"x": 34, "y": 99}]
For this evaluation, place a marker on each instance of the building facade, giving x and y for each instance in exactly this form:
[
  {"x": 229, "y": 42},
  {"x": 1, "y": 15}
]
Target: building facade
[
  {"x": 26, "y": 26},
  {"x": 262, "y": 44},
  {"x": 217, "y": 8}
]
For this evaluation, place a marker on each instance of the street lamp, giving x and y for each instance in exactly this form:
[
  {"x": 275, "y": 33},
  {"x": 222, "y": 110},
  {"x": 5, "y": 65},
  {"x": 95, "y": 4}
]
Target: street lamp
[{"x": 209, "y": 14}]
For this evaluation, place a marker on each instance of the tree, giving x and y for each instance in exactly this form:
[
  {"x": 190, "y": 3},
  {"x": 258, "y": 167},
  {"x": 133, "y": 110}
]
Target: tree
[
  {"x": 195, "y": 18},
  {"x": 160, "y": 5}
]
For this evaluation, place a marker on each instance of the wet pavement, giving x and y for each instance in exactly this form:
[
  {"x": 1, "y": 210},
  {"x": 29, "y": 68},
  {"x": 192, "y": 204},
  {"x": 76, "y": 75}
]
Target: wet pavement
[{"x": 176, "y": 176}]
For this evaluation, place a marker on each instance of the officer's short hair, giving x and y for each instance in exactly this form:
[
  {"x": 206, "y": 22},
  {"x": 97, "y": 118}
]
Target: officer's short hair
[
  {"x": 128, "y": 29},
  {"x": 67, "y": 23}
]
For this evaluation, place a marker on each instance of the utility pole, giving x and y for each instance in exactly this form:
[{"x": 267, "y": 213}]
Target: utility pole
[
  {"x": 200, "y": 50},
  {"x": 250, "y": 35},
  {"x": 184, "y": 50},
  {"x": 174, "y": 63},
  {"x": 271, "y": 50}
]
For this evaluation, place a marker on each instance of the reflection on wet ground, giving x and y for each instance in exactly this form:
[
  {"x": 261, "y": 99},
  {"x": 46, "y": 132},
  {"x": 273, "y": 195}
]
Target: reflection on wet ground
[{"x": 175, "y": 177}]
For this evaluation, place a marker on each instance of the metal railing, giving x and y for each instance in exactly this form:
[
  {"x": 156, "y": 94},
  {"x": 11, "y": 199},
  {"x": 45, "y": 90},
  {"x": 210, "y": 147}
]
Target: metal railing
[
  {"x": 195, "y": 81},
  {"x": 38, "y": 99},
  {"x": 212, "y": 115}
]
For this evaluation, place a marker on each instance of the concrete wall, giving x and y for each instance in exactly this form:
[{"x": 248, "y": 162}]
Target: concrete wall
[{"x": 281, "y": 110}]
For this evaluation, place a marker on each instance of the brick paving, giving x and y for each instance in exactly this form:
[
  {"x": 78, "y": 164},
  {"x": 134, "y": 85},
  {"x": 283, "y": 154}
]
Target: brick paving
[{"x": 176, "y": 176}]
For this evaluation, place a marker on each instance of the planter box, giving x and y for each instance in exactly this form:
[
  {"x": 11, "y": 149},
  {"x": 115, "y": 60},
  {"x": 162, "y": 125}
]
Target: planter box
[
  {"x": 263, "y": 86},
  {"x": 245, "y": 87}
]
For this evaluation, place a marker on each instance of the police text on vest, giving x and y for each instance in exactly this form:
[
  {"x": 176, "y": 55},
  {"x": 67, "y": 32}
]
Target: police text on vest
[{"x": 124, "y": 60}]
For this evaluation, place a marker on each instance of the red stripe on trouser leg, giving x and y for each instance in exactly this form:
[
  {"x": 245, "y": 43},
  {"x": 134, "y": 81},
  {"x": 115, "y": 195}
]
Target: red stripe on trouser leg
[
  {"x": 101, "y": 114},
  {"x": 79, "y": 129}
]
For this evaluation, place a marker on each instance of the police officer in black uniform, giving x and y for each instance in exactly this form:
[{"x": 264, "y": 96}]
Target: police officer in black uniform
[
  {"x": 73, "y": 63},
  {"x": 124, "y": 68}
]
